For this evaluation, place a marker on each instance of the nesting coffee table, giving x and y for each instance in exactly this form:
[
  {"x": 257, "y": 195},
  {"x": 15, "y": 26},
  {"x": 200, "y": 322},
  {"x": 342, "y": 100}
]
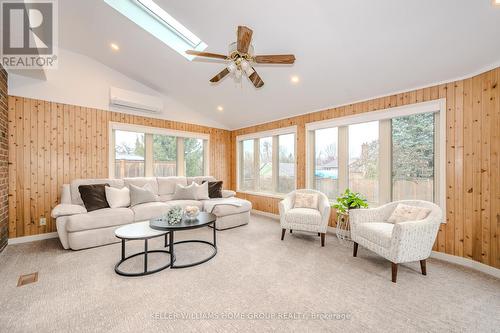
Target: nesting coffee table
[
  {"x": 157, "y": 228},
  {"x": 203, "y": 219},
  {"x": 139, "y": 231}
]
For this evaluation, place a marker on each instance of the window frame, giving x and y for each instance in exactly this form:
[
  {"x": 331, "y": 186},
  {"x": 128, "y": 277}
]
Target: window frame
[
  {"x": 148, "y": 143},
  {"x": 438, "y": 107},
  {"x": 274, "y": 134}
]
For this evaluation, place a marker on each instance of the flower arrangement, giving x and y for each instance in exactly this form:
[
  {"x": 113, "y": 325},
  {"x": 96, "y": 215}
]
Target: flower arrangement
[{"x": 174, "y": 215}]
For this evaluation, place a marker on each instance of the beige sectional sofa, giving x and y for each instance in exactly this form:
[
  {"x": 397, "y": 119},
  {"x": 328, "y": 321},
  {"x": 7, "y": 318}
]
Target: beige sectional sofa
[{"x": 79, "y": 229}]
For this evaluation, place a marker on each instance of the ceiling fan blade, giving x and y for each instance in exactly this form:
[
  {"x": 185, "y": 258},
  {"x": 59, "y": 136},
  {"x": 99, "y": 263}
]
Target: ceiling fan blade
[
  {"x": 206, "y": 54},
  {"x": 219, "y": 76},
  {"x": 275, "y": 59},
  {"x": 244, "y": 38},
  {"x": 255, "y": 78}
]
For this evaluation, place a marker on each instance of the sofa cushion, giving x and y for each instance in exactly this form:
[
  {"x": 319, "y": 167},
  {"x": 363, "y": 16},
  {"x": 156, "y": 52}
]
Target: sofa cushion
[
  {"x": 141, "y": 181},
  {"x": 184, "y": 203},
  {"x": 76, "y": 199},
  {"x": 379, "y": 233},
  {"x": 165, "y": 197},
  {"x": 117, "y": 197},
  {"x": 166, "y": 185},
  {"x": 140, "y": 195},
  {"x": 149, "y": 210},
  {"x": 199, "y": 179},
  {"x": 101, "y": 218},
  {"x": 404, "y": 213},
  {"x": 303, "y": 216},
  {"x": 94, "y": 196},
  {"x": 226, "y": 206},
  {"x": 214, "y": 189},
  {"x": 186, "y": 192},
  {"x": 306, "y": 200}
]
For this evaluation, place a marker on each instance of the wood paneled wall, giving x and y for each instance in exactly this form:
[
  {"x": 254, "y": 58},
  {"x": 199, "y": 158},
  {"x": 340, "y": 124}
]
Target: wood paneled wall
[
  {"x": 51, "y": 144},
  {"x": 472, "y": 161}
]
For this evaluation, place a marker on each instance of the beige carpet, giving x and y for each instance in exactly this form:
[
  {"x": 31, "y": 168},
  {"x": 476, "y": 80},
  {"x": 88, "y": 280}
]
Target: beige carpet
[{"x": 256, "y": 280}]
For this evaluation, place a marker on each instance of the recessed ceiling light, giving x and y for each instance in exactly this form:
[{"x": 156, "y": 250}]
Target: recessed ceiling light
[
  {"x": 220, "y": 108},
  {"x": 294, "y": 79},
  {"x": 114, "y": 47}
]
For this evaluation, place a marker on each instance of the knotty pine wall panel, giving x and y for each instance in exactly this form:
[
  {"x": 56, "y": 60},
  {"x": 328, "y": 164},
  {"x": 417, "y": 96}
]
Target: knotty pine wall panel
[
  {"x": 51, "y": 144},
  {"x": 472, "y": 161}
]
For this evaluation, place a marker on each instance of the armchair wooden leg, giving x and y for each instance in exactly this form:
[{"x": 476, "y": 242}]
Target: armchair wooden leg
[
  {"x": 323, "y": 239},
  {"x": 423, "y": 267},
  {"x": 355, "y": 250},
  {"x": 291, "y": 231},
  {"x": 394, "y": 272},
  {"x": 283, "y": 233}
]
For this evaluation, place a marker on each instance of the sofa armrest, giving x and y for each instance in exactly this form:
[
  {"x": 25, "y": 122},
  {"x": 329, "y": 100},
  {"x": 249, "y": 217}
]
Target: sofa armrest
[
  {"x": 67, "y": 209},
  {"x": 228, "y": 193},
  {"x": 413, "y": 240},
  {"x": 285, "y": 205}
]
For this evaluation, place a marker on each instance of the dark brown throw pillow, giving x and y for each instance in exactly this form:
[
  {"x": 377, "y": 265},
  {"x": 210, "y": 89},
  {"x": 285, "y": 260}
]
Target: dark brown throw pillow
[
  {"x": 214, "y": 189},
  {"x": 94, "y": 196}
]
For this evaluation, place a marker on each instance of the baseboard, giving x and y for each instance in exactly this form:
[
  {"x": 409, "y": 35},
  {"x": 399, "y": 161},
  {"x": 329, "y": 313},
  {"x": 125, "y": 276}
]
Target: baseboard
[
  {"x": 266, "y": 214},
  {"x": 467, "y": 263},
  {"x": 27, "y": 239}
]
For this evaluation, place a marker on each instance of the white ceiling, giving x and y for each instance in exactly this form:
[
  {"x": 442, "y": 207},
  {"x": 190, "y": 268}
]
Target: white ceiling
[{"x": 346, "y": 50}]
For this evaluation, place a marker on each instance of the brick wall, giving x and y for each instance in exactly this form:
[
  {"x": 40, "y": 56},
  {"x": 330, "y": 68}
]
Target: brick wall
[{"x": 4, "y": 176}]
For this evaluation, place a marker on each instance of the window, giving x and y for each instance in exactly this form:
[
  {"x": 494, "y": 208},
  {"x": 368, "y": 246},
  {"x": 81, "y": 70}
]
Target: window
[
  {"x": 193, "y": 157},
  {"x": 286, "y": 172},
  {"x": 266, "y": 164},
  {"x": 363, "y": 159},
  {"x": 266, "y": 161},
  {"x": 142, "y": 151},
  {"x": 164, "y": 155},
  {"x": 385, "y": 155},
  {"x": 326, "y": 162},
  {"x": 156, "y": 21},
  {"x": 413, "y": 157},
  {"x": 129, "y": 154},
  {"x": 248, "y": 165}
]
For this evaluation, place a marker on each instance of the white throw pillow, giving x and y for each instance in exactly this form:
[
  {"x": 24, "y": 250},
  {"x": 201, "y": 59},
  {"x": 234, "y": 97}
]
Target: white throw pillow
[
  {"x": 185, "y": 192},
  {"x": 202, "y": 191},
  {"x": 306, "y": 200},
  {"x": 404, "y": 213},
  {"x": 117, "y": 197}
]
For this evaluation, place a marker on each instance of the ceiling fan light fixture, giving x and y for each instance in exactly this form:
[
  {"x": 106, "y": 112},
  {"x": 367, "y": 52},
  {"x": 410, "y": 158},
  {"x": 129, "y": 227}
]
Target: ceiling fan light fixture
[{"x": 232, "y": 67}]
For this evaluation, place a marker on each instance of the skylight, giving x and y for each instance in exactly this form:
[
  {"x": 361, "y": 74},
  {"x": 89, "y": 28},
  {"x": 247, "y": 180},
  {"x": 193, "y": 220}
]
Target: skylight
[{"x": 155, "y": 20}]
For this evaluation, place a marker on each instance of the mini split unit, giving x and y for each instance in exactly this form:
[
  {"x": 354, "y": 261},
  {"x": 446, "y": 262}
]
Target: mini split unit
[{"x": 131, "y": 100}]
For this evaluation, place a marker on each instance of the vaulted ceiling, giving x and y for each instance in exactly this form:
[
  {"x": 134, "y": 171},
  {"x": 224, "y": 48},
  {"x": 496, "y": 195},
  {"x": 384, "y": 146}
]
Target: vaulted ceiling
[{"x": 346, "y": 50}]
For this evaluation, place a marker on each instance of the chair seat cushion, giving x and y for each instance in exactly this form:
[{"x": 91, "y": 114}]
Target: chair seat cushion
[
  {"x": 227, "y": 206},
  {"x": 149, "y": 210},
  {"x": 303, "y": 216},
  {"x": 100, "y": 218},
  {"x": 379, "y": 233}
]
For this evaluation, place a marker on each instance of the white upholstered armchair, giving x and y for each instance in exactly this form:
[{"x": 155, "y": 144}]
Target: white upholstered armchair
[
  {"x": 304, "y": 219},
  {"x": 397, "y": 242}
]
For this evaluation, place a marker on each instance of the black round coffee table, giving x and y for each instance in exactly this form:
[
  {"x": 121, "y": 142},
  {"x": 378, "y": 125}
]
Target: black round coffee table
[{"x": 202, "y": 220}]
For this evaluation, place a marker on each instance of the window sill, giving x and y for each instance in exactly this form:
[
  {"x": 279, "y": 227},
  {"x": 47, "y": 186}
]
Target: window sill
[{"x": 264, "y": 194}]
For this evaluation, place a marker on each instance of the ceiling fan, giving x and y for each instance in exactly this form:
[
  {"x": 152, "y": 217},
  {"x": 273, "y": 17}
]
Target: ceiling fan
[{"x": 241, "y": 57}]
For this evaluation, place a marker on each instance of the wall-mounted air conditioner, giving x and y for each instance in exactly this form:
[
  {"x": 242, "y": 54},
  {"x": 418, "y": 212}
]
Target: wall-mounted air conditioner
[{"x": 131, "y": 100}]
